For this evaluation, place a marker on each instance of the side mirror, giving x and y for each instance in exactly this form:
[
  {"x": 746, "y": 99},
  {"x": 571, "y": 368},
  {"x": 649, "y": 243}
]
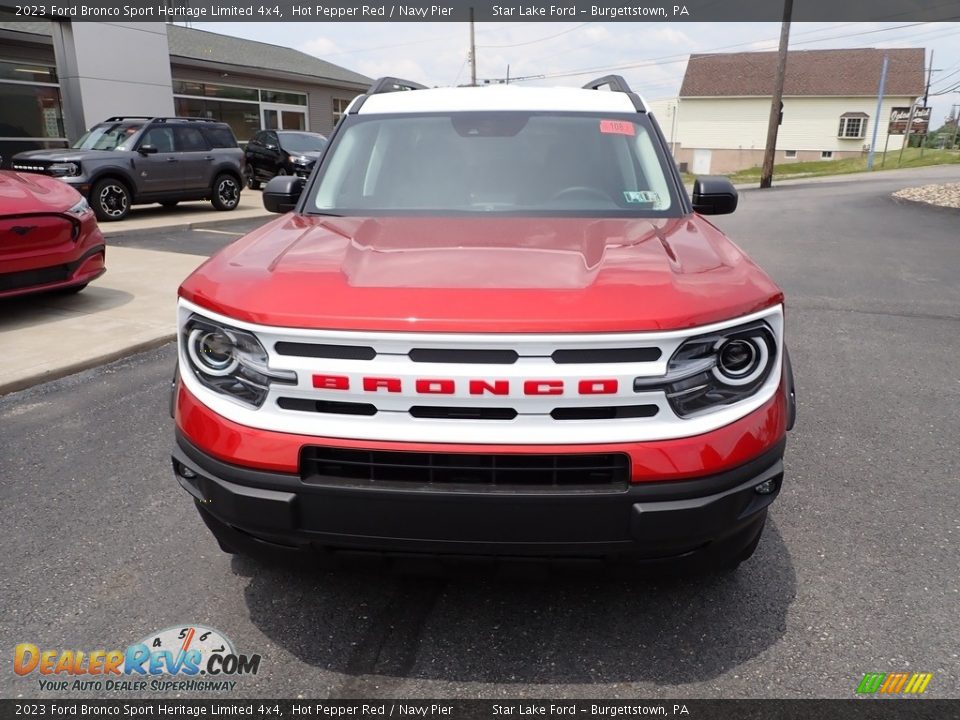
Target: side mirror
[
  {"x": 148, "y": 150},
  {"x": 270, "y": 146},
  {"x": 282, "y": 193},
  {"x": 714, "y": 195}
]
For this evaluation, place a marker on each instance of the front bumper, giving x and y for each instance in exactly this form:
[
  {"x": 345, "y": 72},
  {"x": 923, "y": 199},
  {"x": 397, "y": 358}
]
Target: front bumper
[{"x": 704, "y": 518}]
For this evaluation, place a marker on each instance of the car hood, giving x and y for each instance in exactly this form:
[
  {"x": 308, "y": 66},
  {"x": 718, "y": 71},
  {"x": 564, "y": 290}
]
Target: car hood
[
  {"x": 482, "y": 275},
  {"x": 62, "y": 155},
  {"x": 29, "y": 193}
]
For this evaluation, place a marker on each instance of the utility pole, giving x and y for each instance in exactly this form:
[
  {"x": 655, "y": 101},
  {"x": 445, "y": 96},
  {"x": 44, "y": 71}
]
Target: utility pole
[
  {"x": 473, "y": 54},
  {"x": 926, "y": 93},
  {"x": 956, "y": 125},
  {"x": 776, "y": 103},
  {"x": 876, "y": 124}
]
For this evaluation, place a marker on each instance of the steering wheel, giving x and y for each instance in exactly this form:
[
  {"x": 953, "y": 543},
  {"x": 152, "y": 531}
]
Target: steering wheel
[{"x": 583, "y": 191}]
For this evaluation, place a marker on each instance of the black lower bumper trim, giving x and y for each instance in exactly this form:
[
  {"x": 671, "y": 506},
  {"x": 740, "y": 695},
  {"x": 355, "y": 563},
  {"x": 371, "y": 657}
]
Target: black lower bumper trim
[{"x": 658, "y": 520}]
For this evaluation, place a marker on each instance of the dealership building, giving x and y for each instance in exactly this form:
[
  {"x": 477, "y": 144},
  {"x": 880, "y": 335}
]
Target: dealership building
[{"x": 58, "y": 78}]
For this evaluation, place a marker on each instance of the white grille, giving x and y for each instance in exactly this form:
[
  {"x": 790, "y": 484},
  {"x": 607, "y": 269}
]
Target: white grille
[{"x": 476, "y": 418}]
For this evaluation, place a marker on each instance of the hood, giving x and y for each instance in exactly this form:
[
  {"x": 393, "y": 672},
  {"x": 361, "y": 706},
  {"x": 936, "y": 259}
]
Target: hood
[
  {"x": 482, "y": 275},
  {"x": 30, "y": 193},
  {"x": 61, "y": 155}
]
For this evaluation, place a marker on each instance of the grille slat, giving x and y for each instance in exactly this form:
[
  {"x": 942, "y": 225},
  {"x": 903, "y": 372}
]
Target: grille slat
[
  {"x": 606, "y": 355},
  {"x": 438, "y": 412},
  {"x": 318, "y": 350},
  {"x": 440, "y": 470},
  {"x": 606, "y": 412},
  {"x": 477, "y": 357}
]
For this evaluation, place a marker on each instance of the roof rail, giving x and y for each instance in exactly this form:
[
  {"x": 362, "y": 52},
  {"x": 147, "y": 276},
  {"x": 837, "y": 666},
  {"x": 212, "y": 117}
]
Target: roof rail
[
  {"x": 392, "y": 84},
  {"x": 616, "y": 83},
  {"x": 385, "y": 85},
  {"x": 187, "y": 119},
  {"x": 151, "y": 118}
]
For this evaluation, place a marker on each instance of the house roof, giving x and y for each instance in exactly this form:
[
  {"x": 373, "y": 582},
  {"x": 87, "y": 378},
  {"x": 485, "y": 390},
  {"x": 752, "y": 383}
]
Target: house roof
[
  {"x": 848, "y": 73},
  {"x": 191, "y": 44}
]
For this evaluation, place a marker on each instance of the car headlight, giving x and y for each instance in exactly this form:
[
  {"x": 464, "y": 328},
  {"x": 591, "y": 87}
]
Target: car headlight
[
  {"x": 80, "y": 209},
  {"x": 299, "y": 159},
  {"x": 64, "y": 169},
  {"x": 722, "y": 368},
  {"x": 230, "y": 361}
]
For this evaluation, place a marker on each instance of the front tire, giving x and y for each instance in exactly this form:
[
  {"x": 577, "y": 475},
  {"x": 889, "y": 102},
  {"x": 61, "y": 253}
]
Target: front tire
[
  {"x": 110, "y": 200},
  {"x": 226, "y": 192},
  {"x": 251, "y": 178}
]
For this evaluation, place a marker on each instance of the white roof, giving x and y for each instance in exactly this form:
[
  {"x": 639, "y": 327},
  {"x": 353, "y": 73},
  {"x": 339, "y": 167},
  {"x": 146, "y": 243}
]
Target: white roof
[{"x": 498, "y": 97}]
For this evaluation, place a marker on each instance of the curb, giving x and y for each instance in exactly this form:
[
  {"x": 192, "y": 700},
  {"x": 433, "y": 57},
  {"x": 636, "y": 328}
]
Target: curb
[
  {"x": 924, "y": 204},
  {"x": 128, "y": 232},
  {"x": 85, "y": 364}
]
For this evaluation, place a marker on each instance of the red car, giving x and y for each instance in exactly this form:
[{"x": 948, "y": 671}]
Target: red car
[
  {"x": 492, "y": 322},
  {"x": 49, "y": 239}
]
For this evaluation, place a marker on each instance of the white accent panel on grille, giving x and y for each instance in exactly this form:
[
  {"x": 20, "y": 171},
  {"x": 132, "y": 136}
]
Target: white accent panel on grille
[{"x": 533, "y": 423}]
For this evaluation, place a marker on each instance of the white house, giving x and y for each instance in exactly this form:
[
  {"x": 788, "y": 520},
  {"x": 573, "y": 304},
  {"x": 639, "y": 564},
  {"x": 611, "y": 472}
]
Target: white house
[{"x": 719, "y": 122}]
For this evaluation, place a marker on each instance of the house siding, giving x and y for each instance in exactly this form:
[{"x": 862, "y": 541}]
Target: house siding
[{"x": 738, "y": 127}]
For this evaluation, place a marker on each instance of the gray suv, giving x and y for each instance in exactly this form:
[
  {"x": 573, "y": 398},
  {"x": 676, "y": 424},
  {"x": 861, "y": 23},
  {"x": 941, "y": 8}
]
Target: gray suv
[{"x": 127, "y": 161}]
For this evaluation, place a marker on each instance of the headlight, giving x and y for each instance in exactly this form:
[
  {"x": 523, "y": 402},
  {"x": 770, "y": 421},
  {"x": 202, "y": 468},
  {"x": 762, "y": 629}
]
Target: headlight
[
  {"x": 299, "y": 159},
  {"x": 81, "y": 208},
  {"x": 65, "y": 169},
  {"x": 714, "y": 370},
  {"x": 229, "y": 361}
]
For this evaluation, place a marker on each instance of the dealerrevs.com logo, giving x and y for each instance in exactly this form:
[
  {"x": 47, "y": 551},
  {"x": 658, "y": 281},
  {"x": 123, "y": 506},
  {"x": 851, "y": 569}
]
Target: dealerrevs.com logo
[{"x": 181, "y": 658}]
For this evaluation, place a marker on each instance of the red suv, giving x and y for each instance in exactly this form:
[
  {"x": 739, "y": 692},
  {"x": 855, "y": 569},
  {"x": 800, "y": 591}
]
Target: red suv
[
  {"x": 49, "y": 239},
  {"x": 491, "y": 323}
]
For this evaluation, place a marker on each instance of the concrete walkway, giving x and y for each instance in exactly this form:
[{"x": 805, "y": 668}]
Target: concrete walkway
[
  {"x": 186, "y": 214},
  {"x": 131, "y": 308}
]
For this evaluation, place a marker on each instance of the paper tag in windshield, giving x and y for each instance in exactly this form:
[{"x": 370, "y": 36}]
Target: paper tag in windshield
[
  {"x": 641, "y": 196},
  {"x": 617, "y": 127}
]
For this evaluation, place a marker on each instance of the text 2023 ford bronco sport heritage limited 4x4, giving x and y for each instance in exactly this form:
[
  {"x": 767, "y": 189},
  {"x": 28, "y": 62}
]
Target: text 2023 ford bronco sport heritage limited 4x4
[{"x": 492, "y": 323}]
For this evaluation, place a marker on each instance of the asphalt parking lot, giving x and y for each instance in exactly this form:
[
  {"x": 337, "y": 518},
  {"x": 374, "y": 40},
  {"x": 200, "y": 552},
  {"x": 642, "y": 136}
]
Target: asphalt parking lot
[{"x": 858, "y": 570}]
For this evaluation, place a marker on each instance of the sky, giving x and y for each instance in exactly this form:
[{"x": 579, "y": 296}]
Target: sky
[{"x": 651, "y": 56}]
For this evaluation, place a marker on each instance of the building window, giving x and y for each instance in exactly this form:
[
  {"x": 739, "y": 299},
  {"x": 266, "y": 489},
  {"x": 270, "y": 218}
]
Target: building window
[
  {"x": 282, "y": 98},
  {"x": 240, "y": 107},
  {"x": 789, "y": 153},
  {"x": 227, "y": 92},
  {"x": 339, "y": 108},
  {"x": 826, "y": 155},
  {"x": 853, "y": 126},
  {"x": 31, "y": 117},
  {"x": 243, "y": 118}
]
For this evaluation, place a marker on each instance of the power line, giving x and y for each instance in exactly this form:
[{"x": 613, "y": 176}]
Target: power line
[
  {"x": 533, "y": 42},
  {"x": 672, "y": 59}
]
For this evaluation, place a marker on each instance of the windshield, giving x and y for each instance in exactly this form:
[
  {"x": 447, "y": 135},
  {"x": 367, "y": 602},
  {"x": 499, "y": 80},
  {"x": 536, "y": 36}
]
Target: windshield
[
  {"x": 109, "y": 136},
  {"x": 495, "y": 162},
  {"x": 302, "y": 142}
]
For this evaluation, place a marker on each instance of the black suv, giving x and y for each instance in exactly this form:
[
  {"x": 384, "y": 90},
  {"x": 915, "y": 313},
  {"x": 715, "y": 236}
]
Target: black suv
[
  {"x": 281, "y": 152},
  {"x": 127, "y": 161}
]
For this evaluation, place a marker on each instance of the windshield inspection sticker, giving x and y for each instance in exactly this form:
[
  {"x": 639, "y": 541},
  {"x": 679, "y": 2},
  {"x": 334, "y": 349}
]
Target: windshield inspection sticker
[
  {"x": 641, "y": 196},
  {"x": 617, "y": 127}
]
